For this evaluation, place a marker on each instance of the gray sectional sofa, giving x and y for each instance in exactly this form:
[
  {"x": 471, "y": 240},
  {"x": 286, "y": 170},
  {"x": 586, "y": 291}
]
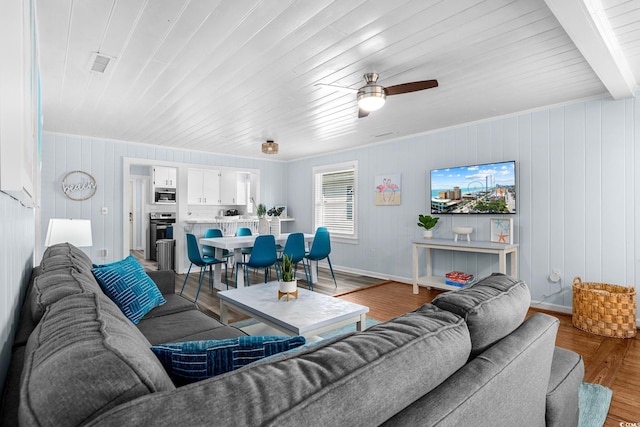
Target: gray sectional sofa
[{"x": 467, "y": 358}]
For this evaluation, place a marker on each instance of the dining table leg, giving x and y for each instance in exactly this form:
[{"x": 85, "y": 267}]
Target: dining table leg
[
  {"x": 217, "y": 273},
  {"x": 313, "y": 265},
  {"x": 237, "y": 256}
]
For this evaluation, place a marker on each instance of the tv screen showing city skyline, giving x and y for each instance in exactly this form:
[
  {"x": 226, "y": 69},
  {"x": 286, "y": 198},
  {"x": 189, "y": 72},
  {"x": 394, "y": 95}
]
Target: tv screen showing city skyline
[{"x": 488, "y": 188}]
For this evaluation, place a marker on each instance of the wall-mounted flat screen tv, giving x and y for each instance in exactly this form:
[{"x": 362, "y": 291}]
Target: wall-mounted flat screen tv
[{"x": 475, "y": 189}]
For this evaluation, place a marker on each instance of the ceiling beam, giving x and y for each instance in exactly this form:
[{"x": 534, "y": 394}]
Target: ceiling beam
[{"x": 588, "y": 27}]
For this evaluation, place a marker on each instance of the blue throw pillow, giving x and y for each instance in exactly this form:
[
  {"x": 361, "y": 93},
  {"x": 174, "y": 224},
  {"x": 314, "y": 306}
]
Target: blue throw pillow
[
  {"x": 127, "y": 284},
  {"x": 192, "y": 361}
]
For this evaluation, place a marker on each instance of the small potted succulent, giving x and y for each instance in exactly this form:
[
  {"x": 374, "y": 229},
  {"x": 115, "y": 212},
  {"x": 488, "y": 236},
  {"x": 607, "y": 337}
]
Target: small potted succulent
[
  {"x": 427, "y": 222},
  {"x": 288, "y": 284}
]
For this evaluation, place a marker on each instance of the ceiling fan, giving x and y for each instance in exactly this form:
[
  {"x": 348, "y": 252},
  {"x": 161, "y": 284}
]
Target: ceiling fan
[{"x": 371, "y": 96}]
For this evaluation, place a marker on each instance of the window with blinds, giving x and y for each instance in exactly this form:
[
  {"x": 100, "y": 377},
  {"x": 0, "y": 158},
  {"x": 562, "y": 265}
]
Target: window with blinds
[{"x": 334, "y": 199}]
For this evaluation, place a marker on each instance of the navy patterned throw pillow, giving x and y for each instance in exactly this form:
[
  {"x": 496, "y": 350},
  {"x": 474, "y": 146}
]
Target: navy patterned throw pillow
[
  {"x": 192, "y": 361},
  {"x": 127, "y": 284}
]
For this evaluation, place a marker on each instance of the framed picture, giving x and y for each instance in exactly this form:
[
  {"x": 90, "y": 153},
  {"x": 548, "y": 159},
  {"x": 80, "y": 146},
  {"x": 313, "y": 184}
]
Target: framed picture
[
  {"x": 502, "y": 230},
  {"x": 388, "y": 190}
]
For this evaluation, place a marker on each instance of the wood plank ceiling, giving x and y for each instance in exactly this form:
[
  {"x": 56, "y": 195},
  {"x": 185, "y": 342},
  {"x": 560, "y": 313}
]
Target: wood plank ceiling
[{"x": 225, "y": 75}]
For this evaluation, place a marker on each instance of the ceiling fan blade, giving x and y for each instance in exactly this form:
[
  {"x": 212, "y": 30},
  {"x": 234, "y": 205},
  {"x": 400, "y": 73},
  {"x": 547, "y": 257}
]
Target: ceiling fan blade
[
  {"x": 410, "y": 87},
  {"x": 339, "y": 88},
  {"x": 362, "y": 113}
]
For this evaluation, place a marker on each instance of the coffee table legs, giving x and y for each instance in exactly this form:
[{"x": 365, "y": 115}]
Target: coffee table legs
[
  {"x": 361, "y": 324},
  {"x": 224, "y": 315}
]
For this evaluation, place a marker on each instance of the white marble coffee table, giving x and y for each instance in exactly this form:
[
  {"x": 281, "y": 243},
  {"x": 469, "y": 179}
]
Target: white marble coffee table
[{"x": 310, "y": 314}]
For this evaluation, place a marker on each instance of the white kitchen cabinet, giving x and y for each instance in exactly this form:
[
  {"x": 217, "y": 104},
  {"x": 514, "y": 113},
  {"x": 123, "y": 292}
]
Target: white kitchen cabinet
[
  {"x": 164, "y": 176},
  {"x": 243, "y": 188},
  {"x": 234, "y": 187},
  {"x": 218, "y": 187},
  {"x": 203, "y": 187},
  {"x": 228, "y": 184}
]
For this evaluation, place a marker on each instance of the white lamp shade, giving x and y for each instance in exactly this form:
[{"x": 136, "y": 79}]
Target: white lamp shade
[{"x": 74, "y": 231}]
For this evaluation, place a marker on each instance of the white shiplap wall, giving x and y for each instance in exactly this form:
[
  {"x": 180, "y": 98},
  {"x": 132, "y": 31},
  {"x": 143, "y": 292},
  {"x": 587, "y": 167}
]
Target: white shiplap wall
[
  {"x": 576, "y": 182},
  {"x": 16, "y": 263},
  {"x": 577, "y": 186},
  {"x": 104, "y": 160}
]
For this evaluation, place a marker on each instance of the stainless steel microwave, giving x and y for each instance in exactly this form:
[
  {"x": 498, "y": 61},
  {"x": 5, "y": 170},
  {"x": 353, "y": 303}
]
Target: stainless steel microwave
[{"x": 165, "y": 195}]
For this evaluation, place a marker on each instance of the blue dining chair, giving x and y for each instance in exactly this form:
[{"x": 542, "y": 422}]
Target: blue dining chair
[
  {"x": 210, "y": 251},
  {"x": 263, "y": 255},
  {"x": 295, "y": 248},
  {"x": 320, "y": 249},
  {"x": 244, "y": 231},
  {"x": 194, "y": 256}
]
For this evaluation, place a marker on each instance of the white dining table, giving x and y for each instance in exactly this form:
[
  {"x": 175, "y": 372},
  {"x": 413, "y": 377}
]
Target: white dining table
[{"x": 235, "y": 244}]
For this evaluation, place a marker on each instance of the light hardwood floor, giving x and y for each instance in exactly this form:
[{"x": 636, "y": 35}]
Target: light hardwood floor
[{"x": 614, "y": 363}]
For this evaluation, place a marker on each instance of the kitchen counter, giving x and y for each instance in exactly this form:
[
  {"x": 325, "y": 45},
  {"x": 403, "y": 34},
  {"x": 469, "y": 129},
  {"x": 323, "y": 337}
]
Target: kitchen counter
[
  {"x": 229, "y": 224},
  {"x": 229, "y": 219}
]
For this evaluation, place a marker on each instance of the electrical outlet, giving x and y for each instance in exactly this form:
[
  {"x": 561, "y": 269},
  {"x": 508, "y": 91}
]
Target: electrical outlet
[
  {"x": 555, "y": 275},
  {"x": 104, "y": 211},
  {"x": 104, "y": 253}
]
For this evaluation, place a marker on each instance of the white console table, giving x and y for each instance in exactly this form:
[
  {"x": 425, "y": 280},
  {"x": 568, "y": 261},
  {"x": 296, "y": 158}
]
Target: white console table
[{"x": 430, "y": 280}]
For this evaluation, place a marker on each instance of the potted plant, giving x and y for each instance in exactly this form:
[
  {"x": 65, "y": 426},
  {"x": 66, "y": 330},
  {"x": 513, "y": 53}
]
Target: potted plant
[
  {"x": 275, "y": 211},
  {"x": 288, "y": 284},
  {"x": 427, "y": 222},
  {"x": 263, "y": 223},
  {"x": 262, "y": 210}
]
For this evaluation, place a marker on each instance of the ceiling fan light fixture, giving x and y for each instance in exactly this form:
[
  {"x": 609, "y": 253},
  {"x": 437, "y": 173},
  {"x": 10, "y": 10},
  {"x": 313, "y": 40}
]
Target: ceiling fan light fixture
[
  {"x": 371, "y": 97},
  {"x": 270, "y": 147}
]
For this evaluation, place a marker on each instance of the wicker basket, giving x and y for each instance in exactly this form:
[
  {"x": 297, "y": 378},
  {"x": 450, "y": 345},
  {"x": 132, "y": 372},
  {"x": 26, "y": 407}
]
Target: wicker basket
[{"x": 603, "y": 309}]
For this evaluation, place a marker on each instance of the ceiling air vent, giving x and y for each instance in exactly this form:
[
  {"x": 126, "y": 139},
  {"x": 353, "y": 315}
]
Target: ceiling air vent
[{"x": 99, "y": 62}]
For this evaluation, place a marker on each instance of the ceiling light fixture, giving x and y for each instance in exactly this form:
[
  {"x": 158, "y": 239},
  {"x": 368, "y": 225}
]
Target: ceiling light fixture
[
  {"x": 371, "y": 97},
  {"x": 270, "y": 147}
]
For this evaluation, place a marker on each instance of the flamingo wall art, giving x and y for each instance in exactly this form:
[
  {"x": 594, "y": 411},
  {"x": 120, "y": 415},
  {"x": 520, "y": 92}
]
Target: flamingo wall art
[{"x": 388, "y": 190}]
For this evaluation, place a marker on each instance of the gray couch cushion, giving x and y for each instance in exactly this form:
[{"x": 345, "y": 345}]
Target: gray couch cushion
[
  {"x": 175, "y": 304},
  {"x": 356, "y": 380},
  {"x": 83, "y": 358},
  {"x": 51, "y": 286},
  {"x": 67, "y": 249},
  {"x": 164, "y": 279},
  {"x": 493, "y": 308},
  {"x": 504, "y": 386},
  {"x": 567, "y": 372},
  {"x": 190, "y": 325},
  {"x": 65, "y": 255}
]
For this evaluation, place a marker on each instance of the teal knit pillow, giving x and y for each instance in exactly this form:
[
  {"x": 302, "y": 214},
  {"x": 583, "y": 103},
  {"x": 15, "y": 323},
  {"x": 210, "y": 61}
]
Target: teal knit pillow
[
  {"x": 192, "y": 361},
  {"x": 127, "y": 284}
]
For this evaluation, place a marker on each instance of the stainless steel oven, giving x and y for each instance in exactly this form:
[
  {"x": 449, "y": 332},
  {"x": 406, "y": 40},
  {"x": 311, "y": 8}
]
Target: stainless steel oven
[{"x": 161, "y": 227}]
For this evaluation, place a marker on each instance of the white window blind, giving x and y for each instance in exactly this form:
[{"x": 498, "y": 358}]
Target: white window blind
[{"x": 334, "y": 196}]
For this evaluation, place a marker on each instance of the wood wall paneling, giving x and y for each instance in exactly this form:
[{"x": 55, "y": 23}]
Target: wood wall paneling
[{"x": 576, "y": 192}]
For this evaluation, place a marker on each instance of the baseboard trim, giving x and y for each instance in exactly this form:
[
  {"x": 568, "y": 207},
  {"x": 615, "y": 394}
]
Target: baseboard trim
[
  {"x": 374, "y": 274},
  {"x": 550, "y": 307}
]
